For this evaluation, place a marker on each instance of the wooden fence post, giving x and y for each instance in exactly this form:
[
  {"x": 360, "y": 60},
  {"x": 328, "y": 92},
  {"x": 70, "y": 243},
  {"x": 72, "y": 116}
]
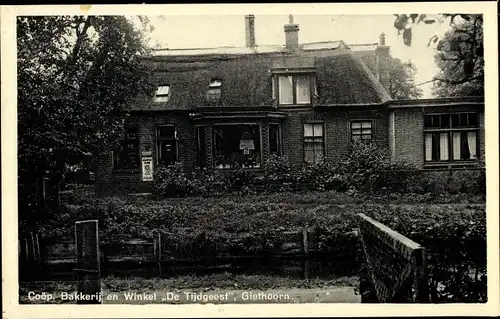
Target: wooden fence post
[
  {"x": 305, "y": 250},
  {"x": 420, "y": 275},
  {"x": 87, "y": 261},
  {"x": 159, "y": 254}
]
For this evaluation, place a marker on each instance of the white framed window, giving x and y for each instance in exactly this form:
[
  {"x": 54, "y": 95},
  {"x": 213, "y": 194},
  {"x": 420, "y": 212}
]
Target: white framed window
[
  {"x": 451, "y": 137},
  {"x": 294, "y": 89},
  {"x": 162, "y": 94},
  {"x": 361, "y": 130},
  {"x": 314, "y": 141}
]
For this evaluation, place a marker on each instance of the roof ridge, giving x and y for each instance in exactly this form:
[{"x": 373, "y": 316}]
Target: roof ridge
[{"x": 245, "y": 47}]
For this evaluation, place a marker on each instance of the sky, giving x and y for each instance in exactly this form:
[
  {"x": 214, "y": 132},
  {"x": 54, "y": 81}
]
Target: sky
[{"x": 205, "y": 31}]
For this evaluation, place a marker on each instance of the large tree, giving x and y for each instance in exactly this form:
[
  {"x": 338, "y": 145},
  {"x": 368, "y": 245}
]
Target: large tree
[
  {"x": 460, "y": 53},
  {"x": 402, "y": 80},
  {"x": 460, "y": 60},
  {"x": 75, "y": 73}
]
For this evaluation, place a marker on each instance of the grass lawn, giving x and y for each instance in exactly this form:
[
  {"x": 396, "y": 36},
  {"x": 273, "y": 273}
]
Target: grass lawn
[{"x": 141, "y": 216}]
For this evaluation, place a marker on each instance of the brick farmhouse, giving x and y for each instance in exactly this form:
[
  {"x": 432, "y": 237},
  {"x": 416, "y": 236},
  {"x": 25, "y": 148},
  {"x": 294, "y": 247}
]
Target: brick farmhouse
[{"x": 231, "y": 107}]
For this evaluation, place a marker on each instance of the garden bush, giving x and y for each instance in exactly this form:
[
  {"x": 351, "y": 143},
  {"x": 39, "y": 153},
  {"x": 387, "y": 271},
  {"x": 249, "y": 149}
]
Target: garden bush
[
  {"x": 366, "y": 169},
  {"x": 278, "y": 174}
]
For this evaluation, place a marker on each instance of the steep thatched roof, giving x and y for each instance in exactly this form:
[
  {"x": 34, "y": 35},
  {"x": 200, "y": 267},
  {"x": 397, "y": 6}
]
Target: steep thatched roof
[{"x": 341, "y": 76}]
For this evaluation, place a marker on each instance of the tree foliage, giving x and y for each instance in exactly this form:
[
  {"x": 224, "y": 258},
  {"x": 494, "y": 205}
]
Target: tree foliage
[
  {"x": 460, "y": 53},
  {"x": 75, "y": 73},
  {"x": 460, "y": 59},
  {"x": 402, "y": 80}
]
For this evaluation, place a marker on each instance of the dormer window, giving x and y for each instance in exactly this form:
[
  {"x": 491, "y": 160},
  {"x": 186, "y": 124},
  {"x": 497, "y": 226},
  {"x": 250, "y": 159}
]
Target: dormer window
[
  {"x": 293, "y": 87},
  {"x": 214, "y": 90},
  {"x": 162, "y": 94}
]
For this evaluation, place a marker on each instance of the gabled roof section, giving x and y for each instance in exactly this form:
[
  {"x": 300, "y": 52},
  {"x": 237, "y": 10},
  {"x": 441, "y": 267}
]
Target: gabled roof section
[{"x": 342, "y": 76}]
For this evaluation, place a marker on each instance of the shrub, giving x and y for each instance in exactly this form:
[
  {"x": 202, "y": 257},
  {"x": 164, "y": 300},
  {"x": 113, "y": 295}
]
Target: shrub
[
  {"x": 278, "y": 174},
  {"x": 172, "y": 181},
  {"x": 459, "y": 181},
  {"x": 368, "y": 167},
  {"x": 320, "y": 176}
]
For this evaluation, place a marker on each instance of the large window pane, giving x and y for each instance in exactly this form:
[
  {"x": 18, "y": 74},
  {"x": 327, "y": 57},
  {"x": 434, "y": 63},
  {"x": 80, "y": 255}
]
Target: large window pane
[
  {"x": 472, "y": 140},
  {"x": 456, "y": 146},
  {"x": 237, "y": 146},
  {"x": 443, "y": 146},
  {"x": 318, "y": 129},
  {"x": 428, "y": 147},
  {"x": 303, "y": 90},
  {"x": 285, "y": 90}
]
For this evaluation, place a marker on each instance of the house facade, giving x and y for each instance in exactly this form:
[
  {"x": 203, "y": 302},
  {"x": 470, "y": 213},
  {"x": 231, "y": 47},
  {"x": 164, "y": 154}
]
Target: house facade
[{"x": 226, "y": 108}]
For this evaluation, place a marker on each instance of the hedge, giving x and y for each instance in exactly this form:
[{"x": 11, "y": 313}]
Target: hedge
[{"x": 367, "y": 168}]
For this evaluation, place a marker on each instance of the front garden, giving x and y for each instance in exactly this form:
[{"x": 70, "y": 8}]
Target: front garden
[{"x": 443, "y": 211}]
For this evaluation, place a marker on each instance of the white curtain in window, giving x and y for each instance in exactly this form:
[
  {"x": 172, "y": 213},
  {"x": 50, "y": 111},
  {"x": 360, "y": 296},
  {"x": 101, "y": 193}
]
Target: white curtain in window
[
  {"x": 471, "y": 138},
  {"x": 443, "y": 146},
  {"x": 308, "y": 130},
  {"x": 318, "y": 151},
  {"x": 428, "y": 147},
  {"x": 286, "y": 90},
  {"x": 318, "y": 129},
  {"x": 303, "y": 90},
  {"x": 456, "y": 146},
  {"x": 309, "y": 150}
]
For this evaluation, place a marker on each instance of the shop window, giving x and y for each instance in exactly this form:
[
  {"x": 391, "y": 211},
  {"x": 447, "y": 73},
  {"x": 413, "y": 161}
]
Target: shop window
[{"x": 237, "y": 146}]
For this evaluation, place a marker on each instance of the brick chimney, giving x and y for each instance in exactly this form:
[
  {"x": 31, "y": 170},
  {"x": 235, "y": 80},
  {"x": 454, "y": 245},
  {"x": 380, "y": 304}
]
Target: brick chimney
[
  {"x": 291, "y": 34},
  {"x": 383, "y": 61},
  {"x": 250, "y": 30}
]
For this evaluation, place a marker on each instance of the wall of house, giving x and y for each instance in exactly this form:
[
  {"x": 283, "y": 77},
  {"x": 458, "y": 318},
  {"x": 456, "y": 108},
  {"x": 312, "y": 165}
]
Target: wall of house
[
  {"x": 406, "y": 126},
  {"x": 112, "y": 181},
  {"x": 337, "y": 130},
  {"x": 406, "y": 135}
]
